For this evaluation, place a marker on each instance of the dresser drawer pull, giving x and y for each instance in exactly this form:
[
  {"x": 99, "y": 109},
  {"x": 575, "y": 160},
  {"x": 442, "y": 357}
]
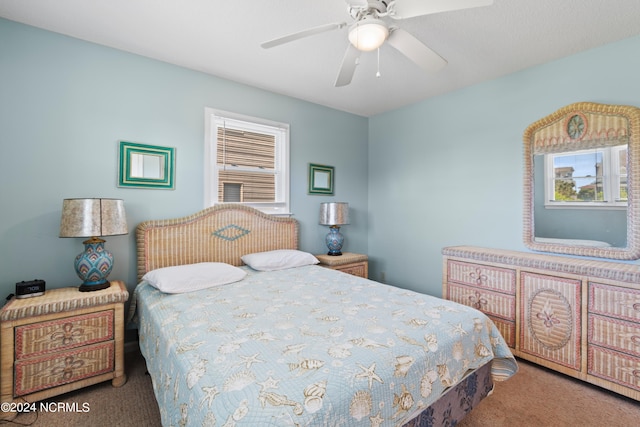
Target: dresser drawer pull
[
  {"x": 548, "y": 318},
  {"x": 478, "y": 277},
  {"x": 636, "y": 306},
  {"x": 477, "y": 301},
  {"x": 635, "y": 339},
  {"x": 68, "y": 334},
  {"x": 69, "y": 365}
]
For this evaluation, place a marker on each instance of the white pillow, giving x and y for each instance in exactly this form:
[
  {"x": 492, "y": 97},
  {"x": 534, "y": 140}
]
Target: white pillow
[
  {"x": 193, "y": 277},
  {"x": 279, "y": 259}
]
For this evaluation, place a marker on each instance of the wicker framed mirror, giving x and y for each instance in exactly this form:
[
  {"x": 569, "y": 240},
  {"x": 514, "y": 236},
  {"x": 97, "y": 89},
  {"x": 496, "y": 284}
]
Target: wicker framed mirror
[{"x": 576, "y": 210}]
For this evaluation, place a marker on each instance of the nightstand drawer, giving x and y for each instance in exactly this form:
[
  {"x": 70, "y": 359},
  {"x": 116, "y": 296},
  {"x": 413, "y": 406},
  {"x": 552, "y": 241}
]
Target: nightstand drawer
[
  {"x": 357, "y": 269},
  {"x": 40, "y": 373},
  {"x": 47, "y": 337},
  {"x": 350, "y": 263}
]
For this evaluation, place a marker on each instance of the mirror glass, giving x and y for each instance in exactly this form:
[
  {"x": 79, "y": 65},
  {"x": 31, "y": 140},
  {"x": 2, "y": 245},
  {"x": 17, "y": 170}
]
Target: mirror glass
[
  {"x": 321, "y": 179},
  {"x": 581, "y": 187},
  {"x": 146, "y": 166}
]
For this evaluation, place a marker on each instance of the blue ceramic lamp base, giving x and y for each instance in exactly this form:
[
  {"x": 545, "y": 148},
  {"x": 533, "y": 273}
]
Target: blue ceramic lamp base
[
  {"x": 334, "y": 241},
  {"x": 94, "y": 265}
]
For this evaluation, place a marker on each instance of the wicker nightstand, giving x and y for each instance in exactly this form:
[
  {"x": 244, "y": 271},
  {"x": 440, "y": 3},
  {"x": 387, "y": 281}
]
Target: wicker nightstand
[
  {"x": 356, "y": 264},
  {"x": 61, "y": 341}
]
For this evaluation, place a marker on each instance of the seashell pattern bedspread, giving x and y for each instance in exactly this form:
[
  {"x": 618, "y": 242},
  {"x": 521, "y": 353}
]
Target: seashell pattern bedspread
[{"x": 308, "y": 346}]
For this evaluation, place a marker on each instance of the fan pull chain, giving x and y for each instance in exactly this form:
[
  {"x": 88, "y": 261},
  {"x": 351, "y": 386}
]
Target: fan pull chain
[{"x": 378, "y": 72}]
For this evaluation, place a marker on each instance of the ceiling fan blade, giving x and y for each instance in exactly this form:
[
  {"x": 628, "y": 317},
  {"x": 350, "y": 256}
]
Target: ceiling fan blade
[
  {"x": 348, "y": 67},
  {"x": 402, "y": 9},
  {"x": 416, "y": 51},
  {"x": 302, "y": 34}
]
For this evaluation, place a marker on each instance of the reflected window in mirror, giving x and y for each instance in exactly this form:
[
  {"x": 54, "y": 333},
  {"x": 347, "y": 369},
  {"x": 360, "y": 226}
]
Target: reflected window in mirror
[{"x": 593, "y": 179}]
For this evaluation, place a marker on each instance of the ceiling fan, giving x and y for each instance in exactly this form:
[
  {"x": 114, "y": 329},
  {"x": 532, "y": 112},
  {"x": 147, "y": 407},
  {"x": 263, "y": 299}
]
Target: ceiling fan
[{"x": 370, "y": 30}]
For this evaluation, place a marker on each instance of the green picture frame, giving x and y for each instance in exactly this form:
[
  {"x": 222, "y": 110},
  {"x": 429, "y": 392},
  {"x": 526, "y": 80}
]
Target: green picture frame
[
  {"x": 321, "y": 179},
  {"x": 146, "y": 166}
]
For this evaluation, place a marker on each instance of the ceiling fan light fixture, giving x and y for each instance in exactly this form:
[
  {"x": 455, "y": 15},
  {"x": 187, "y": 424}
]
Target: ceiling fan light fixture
[{"x": 368, "y": 34}]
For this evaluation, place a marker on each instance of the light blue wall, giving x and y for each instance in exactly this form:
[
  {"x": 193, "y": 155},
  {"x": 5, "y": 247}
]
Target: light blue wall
[
  {"x": 65, "y": 104},
  {"x": 448, "y": 170}
]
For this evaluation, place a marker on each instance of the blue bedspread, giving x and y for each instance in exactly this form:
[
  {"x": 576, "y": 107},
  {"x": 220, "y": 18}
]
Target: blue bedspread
[{"x": 308, "y": 346}]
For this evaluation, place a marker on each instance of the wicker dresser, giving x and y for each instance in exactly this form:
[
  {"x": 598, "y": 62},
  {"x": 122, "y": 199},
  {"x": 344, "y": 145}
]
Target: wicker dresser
[
  {"x": 576, "y": 316},
  {"x": 356, "y": 264},
  {"x": 61, "y": 341}
]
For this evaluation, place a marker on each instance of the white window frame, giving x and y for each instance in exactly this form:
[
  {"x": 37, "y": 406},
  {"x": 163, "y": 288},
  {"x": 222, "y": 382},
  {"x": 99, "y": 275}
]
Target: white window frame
[
  {"x": 214, "y": 118},
  {"x": 610, "y": 181}
]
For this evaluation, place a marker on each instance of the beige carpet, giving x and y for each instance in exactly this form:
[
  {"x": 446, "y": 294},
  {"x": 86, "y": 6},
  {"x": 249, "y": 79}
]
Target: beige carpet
[
  {"x": 533, "y": 397},
  {"x": 536, "y": 396}
]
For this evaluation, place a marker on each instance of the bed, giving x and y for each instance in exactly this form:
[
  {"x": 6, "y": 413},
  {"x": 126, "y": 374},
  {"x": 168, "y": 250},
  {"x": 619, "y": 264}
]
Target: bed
[{"x": 299, "y": 344}]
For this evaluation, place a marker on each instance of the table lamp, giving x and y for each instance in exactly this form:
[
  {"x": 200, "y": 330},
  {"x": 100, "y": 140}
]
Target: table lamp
[
  {"x": 93, "y": 218},
  {"x": 334, "y": 215}
]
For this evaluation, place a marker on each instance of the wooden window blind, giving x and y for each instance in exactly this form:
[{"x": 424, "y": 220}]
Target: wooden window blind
[
  {"x": 246, "y": 159},
  {"x": 241, "y": 148}
]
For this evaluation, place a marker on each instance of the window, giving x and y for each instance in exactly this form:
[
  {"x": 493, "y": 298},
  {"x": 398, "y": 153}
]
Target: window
[
  {"x": 246, "y": 161},
  {"x": 587, "y": 178}
]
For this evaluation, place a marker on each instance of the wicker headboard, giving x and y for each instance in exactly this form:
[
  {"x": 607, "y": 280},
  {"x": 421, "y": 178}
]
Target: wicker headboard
[{"x": 222, "y": 233}]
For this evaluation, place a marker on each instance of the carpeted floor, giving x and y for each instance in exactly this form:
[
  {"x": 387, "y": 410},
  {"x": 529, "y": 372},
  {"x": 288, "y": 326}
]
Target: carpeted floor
[
  {"x": 533, "y": 397},
  {"x": 536, "y": 396}
]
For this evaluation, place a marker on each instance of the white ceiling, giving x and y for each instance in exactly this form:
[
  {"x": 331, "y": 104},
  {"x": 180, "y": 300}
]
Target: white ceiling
[{"x": 223, "y": 38}]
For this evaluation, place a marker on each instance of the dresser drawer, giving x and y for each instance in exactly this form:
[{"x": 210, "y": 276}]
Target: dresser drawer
[
  {"x": 491, "y": 303},
  {"x": 482, "y": 276},
  {"x": 40, "y": 373},
  {"x": 617, "y": 367},
  {"x": 614, "y": 301},
  {"x": 55, "y": 335},
  {"x": 507, "y": 330},
  {"x": 550, "y": 316},
  {"x": 614, "y": 334}
]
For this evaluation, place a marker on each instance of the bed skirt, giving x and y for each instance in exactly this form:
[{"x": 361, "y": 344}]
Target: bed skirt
[{"x": 458, "y": 401}]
